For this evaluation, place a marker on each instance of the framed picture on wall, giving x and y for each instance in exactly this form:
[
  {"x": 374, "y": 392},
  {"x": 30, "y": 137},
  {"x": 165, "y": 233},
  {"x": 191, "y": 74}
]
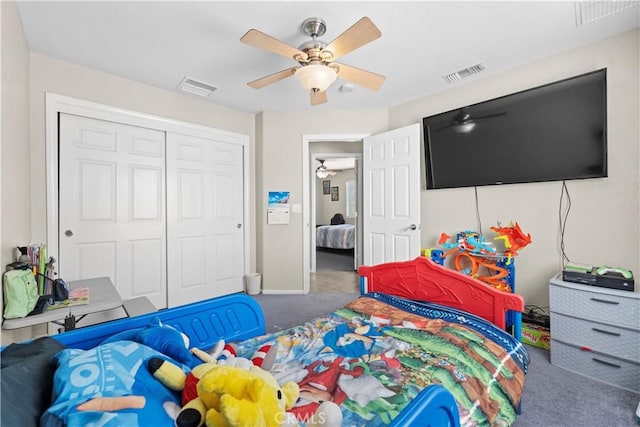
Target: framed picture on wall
[
  {"x": 326, "y": 187},
  {"x": 334, "y": 194}
]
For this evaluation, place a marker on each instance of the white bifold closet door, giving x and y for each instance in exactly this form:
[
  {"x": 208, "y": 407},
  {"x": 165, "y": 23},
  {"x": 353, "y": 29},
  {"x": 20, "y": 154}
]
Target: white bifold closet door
[
  {"x": 205, "y": 218},
  {"x": 112, "y": 218},
  {"x": 160, "y": 213}
]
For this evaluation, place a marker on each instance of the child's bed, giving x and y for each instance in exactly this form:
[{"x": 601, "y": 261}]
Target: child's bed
[{"x": 390, "y": 357}]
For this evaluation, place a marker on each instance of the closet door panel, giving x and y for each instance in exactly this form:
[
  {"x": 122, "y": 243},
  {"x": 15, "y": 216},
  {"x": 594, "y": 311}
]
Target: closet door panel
[
  {"x": 112, "y": 205},
  {"x": 205, "y": 218}
]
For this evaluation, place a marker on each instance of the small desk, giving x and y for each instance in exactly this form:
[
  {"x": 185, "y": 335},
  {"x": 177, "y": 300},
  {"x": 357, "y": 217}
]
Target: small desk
[{"x": 102, "y": 296}]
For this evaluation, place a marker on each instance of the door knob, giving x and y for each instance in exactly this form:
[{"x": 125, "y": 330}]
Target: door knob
[
  {"x": 239, "y": 225},
  {"x": 68, "y": 233},
  {"x": 413, "y": 227}
]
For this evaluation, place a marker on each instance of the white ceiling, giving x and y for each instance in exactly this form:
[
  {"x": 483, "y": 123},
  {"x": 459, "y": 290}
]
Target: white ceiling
[
  {"x": 159, "y": 43},
  {"x": 338, "y": 163}
]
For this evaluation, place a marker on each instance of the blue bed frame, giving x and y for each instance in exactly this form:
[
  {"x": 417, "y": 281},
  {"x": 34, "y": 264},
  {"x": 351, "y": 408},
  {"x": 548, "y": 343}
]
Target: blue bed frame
[{"x": 237, "y": 317}]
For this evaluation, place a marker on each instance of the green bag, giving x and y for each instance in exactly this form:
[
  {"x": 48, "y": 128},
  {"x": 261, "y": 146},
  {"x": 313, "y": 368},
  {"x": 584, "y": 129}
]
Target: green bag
[{"x": 20, "y": 293}]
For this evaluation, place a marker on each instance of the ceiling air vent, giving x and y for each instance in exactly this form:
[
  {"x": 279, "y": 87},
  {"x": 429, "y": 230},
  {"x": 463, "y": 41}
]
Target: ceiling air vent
[
  {"x": 195, "y": 87},
  {"x": 589, "y": 11},
  {"x": 465, "y": 72}
]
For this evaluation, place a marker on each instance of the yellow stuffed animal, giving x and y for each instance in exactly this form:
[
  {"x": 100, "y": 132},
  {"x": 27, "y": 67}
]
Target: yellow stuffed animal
[
  {"x": 230, "y": 396},
  {"x": 227, "y": 396},
  {"x": 237, "y": 397}
]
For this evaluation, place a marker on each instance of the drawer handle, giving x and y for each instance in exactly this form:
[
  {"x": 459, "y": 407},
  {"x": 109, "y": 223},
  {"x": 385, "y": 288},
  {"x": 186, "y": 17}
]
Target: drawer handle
[
  {"x": 604, "y": 362},
  {"x": 602, "y": 331},
  {"x": 605, "y": 301}
]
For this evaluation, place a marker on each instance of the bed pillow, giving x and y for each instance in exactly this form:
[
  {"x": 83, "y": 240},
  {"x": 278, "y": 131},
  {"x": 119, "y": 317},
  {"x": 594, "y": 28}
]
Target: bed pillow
[
  {"x": 337, "y": 219},
  {"x": 115, "y": 376},
  {"x": 27, "y": 375}
]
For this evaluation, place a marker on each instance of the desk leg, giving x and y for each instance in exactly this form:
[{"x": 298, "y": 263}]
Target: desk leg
[{"x": 69, "y": 322}]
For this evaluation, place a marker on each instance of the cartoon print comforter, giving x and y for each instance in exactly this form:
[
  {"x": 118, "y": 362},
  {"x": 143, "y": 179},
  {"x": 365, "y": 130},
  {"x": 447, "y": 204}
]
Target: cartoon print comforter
[{"x": 373, "y": 357}]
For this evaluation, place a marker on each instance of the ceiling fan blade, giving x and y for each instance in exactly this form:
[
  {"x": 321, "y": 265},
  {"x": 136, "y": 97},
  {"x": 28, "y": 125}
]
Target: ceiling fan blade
[
  {"x": 264, "y": 41},
  {"x": 446, "y": 125},
  {"x": 272, "y": 78},
  {"x": 318, "y": 98},
  {"x": 488, "y": 116},
  {"x": 362, "y": 32},
  {"x": 360, "y": 77}
]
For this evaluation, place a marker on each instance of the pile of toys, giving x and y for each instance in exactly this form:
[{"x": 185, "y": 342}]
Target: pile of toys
[{"x": 474, "y": 256}]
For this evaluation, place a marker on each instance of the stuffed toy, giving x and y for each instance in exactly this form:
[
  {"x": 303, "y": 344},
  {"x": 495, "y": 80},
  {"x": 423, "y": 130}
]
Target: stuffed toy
[
  {"x": 108, "y": 385},
  {"x": 109, "y": 381},
  {"x": 221, "y": 354},
  {"x": 163, "y": 338},
  {"x": 245, "y": 398},
  {"x": 227, "y": 390},
  {"x": 227, "y": 395}
]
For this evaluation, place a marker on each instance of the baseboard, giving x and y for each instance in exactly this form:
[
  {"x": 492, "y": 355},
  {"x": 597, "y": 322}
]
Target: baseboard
[{"x": 282, "y": 292}]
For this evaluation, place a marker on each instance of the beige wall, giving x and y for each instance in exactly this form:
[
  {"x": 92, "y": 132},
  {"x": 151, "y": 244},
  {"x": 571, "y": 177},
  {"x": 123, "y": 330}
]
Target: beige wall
[
  {"x": 15, "y": 202},
  {"x": 281, "y": 148},
  {"x": 15, "y": 133},
  {"x": 327, "y": 208},
  {"x": 602, "y": 227}
]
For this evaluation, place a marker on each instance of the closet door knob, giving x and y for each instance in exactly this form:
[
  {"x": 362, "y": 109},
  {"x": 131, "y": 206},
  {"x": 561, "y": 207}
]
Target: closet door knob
[
  {"x": 239, "y": 225},
  {"x": 68, "y": 233}
]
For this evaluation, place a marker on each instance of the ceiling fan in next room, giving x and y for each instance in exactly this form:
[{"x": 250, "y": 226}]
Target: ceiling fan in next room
[
  {"x": 316, "y": 70},
  {"x": 322, "y": 171}
]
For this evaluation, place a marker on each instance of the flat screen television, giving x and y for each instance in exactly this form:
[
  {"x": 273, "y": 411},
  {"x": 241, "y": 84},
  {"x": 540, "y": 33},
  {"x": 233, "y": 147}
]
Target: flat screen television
[{"x": 549, "y": 133}]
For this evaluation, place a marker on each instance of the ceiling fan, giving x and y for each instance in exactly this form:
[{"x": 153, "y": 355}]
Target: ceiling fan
[
  {"x": 463, "y": 122},
  {"x": 322, "y": 171},
  {"x": 316, "y": 70}
]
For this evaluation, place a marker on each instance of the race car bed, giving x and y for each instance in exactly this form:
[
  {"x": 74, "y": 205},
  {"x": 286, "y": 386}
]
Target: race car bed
[{"x": 423, "y": 345}]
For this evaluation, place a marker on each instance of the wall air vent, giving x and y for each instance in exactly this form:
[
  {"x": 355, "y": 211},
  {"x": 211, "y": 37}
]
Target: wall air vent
[
  {"x": 465, "y": 72},
  {"x": 589, "y": 11},
  {"x": 196, "y": 87}
]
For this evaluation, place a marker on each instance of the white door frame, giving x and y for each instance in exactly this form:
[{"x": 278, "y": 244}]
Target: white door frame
[
  {"x": 308, "y": 174},
  {"x": 63, "y": 104}
]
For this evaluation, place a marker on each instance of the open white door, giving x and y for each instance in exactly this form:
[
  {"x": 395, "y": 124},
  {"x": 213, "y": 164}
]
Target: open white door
[{"x": 391, "y": 196}]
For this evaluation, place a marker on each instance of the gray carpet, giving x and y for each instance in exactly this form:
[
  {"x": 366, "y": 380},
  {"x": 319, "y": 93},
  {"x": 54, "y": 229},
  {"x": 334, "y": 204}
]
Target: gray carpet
[
  {"x": 553, "y": 397},
  {"x": 334, "y": 259}
]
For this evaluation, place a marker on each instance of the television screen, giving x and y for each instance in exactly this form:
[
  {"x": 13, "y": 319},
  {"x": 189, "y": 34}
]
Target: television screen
[{"x": 548, "y": 133}]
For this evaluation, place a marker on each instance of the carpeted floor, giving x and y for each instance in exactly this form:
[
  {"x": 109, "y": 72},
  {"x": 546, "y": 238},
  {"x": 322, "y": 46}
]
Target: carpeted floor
[
  {"x": 553, "y": 397},
  {"x": 334, "y": 259}
]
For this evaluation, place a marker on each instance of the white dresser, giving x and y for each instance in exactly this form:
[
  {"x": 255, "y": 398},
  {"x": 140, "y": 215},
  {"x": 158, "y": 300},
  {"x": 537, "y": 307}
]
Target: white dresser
[{"x": 595, "y": 332}]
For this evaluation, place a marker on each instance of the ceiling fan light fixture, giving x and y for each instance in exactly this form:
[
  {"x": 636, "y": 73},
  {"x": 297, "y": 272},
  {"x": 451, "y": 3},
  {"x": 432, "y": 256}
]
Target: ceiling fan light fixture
[
  {"x": 322, "y": 173},
  {"x": 316, "y": 76},
  {"x": 465, "y": 127}
]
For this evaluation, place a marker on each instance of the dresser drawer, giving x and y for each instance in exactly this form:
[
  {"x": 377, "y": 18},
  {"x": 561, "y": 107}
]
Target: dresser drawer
[
  {"x": 608, "y": 339},
  {"x": 597, "y": 366},
  {"x": 610, "y": 308}
]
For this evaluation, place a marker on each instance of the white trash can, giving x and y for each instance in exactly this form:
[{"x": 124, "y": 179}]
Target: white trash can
[{"x": 253, "y": 283}]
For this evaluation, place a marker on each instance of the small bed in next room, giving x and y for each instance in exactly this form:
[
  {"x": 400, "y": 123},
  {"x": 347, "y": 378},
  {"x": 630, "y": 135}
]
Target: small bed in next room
[
  {"x": 339, "y": 236},
  {"x": 403, "y": 354}
]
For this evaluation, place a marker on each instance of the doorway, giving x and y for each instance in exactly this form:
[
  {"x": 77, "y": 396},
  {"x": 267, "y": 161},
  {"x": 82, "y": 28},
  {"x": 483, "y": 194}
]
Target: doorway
[
  {"x": 389, "y": 206},
  {"x": 330, "y": 148},
  {"x": 335, "y": 212}
]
